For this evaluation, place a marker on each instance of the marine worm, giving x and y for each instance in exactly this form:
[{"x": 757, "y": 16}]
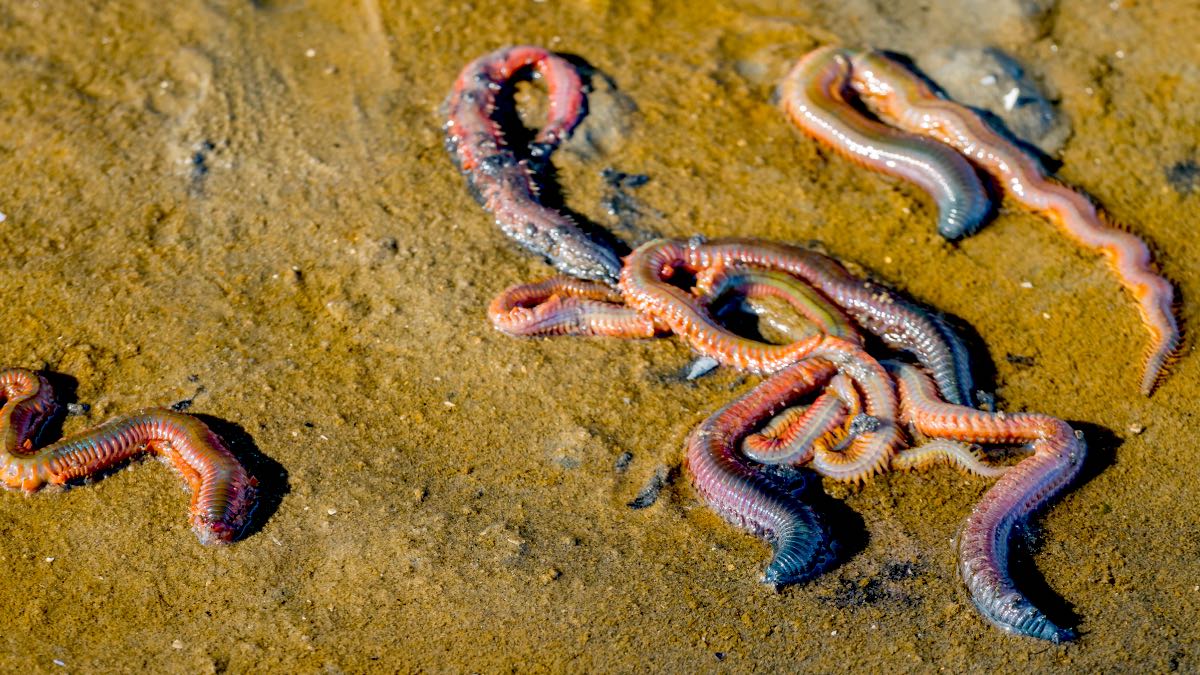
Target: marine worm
[
  {"x": 752, "y": 284},
  {"x": 943, "y": 451},
  {"x": 502, "y": 182},
  {"x": 1058, "y": 453},
  {"x": 223, "y": 493},
  {"x": 789, "y": 437},
  {"x": 814, "y": 95},
  {"x": 802, "y": 545},
  {"x": 566, "y": 306}
]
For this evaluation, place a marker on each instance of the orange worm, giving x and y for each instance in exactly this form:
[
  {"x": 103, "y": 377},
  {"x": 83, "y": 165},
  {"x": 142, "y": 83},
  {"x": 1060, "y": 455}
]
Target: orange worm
[
  {"x": 789, "y": 438},
  {"x": 223, "y": 493},
  {"x": 566, "y": 306},
  {"x": 943, "y": 451}
]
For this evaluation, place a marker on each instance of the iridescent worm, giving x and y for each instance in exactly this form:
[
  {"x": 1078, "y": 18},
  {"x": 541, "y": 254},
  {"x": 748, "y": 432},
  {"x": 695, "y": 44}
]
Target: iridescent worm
[
  {"x": 814, "y": 96},
  {"x": 1058, "y": 453},
  {"x": 223, "y": 493},
  {"x": 502, "y": 182},
  {"x": 748, "y": 499}
]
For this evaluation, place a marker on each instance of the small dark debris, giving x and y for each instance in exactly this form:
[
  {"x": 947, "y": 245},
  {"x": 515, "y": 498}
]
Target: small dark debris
[
  {"x": 896, "y": 571},
  {"x": 310, "y": 425},
  {"x": 1019, "y": 360},
  {"x": 986, "y": 400},
  {"x": 620, "y": 179},
  {"x": 193, "y": 378},
  {"x": 77, "y": 409},
  {"x": 864, "y": 424},
  {"x": 1184, "y": 177},
  {"x": 649, "y": 493},
  {"x": 720, "y": 655},
  {"x": 181, "y": 406},
  {"x": 623, "y": 461},
  {"x": 200, "y": 159}
]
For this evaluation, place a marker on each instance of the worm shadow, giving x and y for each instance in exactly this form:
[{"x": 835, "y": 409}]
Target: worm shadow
[
  {"x": 981, "y": 364},
  {"x": 848, "y": 535},
  {"x": 65, "y": 388},
  {"x": 1101, "y": 453},
  {"x": 271, "y": 475}
]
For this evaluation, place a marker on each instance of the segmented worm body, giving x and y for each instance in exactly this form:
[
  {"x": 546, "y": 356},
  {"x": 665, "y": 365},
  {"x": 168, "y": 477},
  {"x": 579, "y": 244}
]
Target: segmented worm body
[
  {"x": 900, "y": 323},
  {"x": 814, "y": 96},
  {"x": 754, "y": 285},
  {"x": 223, "y": 493},
  {"x": 942, "y": 451},
  {"x": 752, "y": 500},
  {"x": 646, "y": 286},
  {"x": 874, "y": 435},
  {"x": 565, "y": 306},
  {"x": 1058, "y": 453},
  {"x": 789, "y": 438},
  {"x": 502, "y": 182}
]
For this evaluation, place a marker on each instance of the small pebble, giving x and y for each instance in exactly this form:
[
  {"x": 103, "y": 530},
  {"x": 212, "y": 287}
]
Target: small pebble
[
  {"x": 332, "y": 512},
  {"x": 701, "y": 367},
  {"x": 177, "y": 644},
  {"x": 1136, "y": 428}
]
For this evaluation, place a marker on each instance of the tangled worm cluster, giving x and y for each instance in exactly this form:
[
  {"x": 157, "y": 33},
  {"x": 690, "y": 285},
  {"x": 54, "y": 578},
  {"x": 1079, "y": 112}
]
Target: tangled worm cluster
[{"x": 826, "y": 404}]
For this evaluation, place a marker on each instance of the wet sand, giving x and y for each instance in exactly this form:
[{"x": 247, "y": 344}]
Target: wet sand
[{"x": 248, "y": 206}]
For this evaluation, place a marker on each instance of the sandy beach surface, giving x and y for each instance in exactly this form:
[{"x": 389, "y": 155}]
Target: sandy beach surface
[{"x": 247, "y": 205}]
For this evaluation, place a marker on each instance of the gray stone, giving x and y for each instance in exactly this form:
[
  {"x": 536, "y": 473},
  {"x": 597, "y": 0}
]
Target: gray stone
[{"x": 990, "y": 79}]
